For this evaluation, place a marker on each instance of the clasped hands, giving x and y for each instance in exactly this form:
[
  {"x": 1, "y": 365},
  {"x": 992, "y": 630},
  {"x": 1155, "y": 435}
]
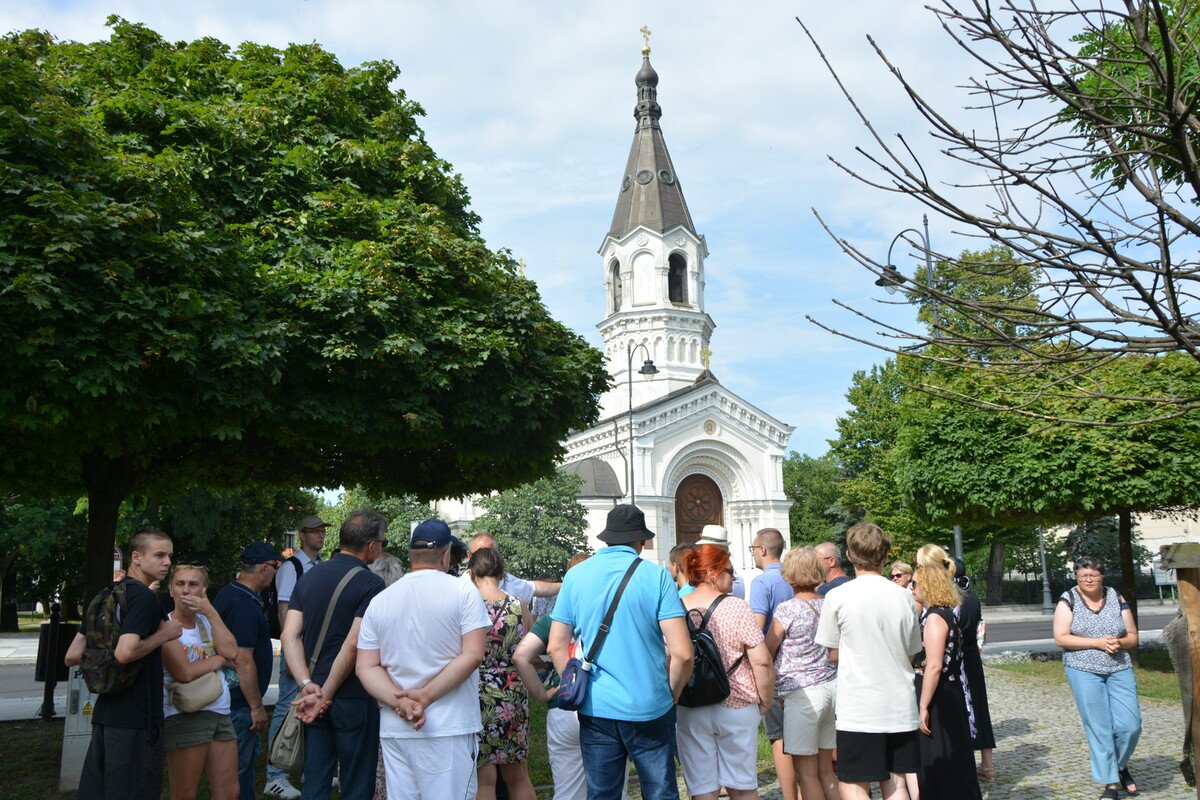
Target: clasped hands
[
  {"x": 311, "y": 703},
  {"x": 1110, "y": 645},
  {"x": 410, "y": 705}
]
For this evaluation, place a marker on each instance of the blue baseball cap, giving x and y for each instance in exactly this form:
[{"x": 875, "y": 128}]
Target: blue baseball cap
[
  {"x": 430, "y": 535},
  {"x": 260, "y": 553}
]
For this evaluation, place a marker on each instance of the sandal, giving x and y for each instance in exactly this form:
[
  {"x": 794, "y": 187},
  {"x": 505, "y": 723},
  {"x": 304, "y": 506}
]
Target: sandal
[
  {"x": 1127, "y": 781},
  {"x": 1110, "y": 793},
  {"x": 985, "y": 774}
]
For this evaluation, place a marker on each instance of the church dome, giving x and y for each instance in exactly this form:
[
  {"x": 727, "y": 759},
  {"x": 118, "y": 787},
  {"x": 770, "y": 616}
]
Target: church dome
[
  {"x": 599, "y": 480},
  {"x": 646, "y": 75}
]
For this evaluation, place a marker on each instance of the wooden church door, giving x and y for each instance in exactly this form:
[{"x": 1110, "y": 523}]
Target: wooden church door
[{"x": 697, "y": 503}]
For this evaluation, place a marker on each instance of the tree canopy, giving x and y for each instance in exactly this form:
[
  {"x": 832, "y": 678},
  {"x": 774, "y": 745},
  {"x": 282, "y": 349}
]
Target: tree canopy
[{"x": 225, "y": 267}]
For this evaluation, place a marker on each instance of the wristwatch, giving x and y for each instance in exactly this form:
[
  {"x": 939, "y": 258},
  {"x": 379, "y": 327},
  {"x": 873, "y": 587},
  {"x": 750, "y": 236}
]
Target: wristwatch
[{"x": 300, "y": 686}]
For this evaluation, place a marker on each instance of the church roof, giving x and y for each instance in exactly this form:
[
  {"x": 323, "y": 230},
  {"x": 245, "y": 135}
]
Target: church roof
[
  {"x": 650, "y": 193},
  {"x": 599, "y": 480}
]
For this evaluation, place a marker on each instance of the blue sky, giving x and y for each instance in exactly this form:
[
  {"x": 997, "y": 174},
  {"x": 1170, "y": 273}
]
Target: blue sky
[{"x": 532, "y": 103}]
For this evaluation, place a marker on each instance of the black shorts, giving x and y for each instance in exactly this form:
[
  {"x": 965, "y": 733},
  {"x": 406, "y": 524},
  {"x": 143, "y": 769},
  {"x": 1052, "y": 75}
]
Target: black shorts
[
  {"x": 873, "y": 757},
  {"x": 773, "y": 722}
]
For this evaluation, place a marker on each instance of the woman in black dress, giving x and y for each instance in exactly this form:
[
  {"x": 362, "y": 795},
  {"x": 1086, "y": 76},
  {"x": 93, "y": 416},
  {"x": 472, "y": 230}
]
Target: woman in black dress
[
  {"x": 970, "y": 614},
  {"x": 947, "y": 761}
]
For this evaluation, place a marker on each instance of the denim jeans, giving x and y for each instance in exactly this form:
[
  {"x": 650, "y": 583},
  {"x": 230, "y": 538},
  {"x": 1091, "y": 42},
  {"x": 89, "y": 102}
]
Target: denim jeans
[
  {"x": 347, "y": 735},
  {"x": 1112, "y": 720},
  {"x": 248, "y": 746},
  {"x": 606, "y": 743},
  {"x": 287, "y": 693}
]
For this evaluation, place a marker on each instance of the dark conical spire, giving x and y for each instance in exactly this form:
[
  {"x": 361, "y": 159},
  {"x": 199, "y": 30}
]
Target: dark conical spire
[{"x": 650, "y": 192}]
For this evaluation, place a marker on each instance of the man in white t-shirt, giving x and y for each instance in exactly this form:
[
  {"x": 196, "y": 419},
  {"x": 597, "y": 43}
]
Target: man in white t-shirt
[
  {"x": 520, "y": 588},
  {"x": 873, "y": 624},
  {"x": 429, "y": 735}
]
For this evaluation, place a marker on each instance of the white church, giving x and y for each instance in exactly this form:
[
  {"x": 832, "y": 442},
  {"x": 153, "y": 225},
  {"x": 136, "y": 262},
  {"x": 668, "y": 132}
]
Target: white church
[{"x": 690, "y": 452}]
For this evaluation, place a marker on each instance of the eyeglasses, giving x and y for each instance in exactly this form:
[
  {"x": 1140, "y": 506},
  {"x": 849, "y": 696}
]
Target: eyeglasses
[
  {"x": 1079, "y": 577},
  {"x": 899, "y": 575},
  {"x": 729, "y": 570},
  {"x": 754, "y": 547}
]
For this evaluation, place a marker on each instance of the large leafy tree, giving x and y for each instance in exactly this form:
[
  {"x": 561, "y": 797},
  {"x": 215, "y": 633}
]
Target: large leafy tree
[
  {"x": 231, "y": 267},
  {"x": 538, "y": 526},
  {"x": 956, "y": 463},
  {"x": 812, "y": 485}
]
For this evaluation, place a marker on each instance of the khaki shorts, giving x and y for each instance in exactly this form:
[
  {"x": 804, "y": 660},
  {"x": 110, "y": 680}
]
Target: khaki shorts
[{"x": 198, "y": 727}]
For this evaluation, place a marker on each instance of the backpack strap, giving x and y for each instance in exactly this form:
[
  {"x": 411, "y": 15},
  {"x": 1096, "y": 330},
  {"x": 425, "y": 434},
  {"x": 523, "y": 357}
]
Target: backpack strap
[
  {"x": 704, "y": 624},
  {"x": 594, "y": 650},
  {"x": 312, "y": 662}
]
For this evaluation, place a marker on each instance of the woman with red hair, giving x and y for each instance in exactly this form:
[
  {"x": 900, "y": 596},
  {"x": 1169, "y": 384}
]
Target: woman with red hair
[{"x": 718, "y": 743}]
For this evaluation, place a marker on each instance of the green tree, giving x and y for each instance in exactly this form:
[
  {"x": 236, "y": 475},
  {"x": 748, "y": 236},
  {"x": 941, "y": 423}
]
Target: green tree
[
  {"x": 234, "y": 268},
  {"x": 1101, "y": 537},
  {"x": 956, "y": 463},
  {"x": 402, "y": 511},
  {"x": 812, "y": 486},
  {"x": 34, "y": 541},
  {"x": 538, "y": 526}
]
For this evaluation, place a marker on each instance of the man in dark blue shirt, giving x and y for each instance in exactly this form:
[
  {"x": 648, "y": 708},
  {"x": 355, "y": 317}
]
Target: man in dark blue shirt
[
  {"x": 241, "y": 609},
  {"x": 343, "y": 719}
]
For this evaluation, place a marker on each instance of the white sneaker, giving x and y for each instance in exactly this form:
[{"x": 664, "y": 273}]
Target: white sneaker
[{"x": 280, "y": 787}]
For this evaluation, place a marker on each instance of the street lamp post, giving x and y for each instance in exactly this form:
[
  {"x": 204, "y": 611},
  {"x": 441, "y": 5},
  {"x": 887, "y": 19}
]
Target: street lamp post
[
  {"x": 891, "y": 280},
  {"x": 1047, "y": 603},
  {"x": 649, "y": 370}
]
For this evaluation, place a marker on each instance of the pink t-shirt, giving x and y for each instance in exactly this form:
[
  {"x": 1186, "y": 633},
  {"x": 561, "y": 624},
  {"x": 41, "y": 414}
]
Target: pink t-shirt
[{"x": 735, "y": 630}]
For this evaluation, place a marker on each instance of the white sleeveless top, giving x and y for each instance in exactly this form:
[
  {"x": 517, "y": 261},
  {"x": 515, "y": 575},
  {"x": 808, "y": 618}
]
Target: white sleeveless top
[{"x": 197, "y": 644}]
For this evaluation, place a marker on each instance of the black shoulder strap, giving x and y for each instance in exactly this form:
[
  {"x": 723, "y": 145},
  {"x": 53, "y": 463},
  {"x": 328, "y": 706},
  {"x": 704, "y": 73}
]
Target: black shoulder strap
[
  {"x": 708, "y": 613},
  {"x": 337, "y": 593},
  {"x": 612, "y": 610},
  {"x": 299, "y": 568}
]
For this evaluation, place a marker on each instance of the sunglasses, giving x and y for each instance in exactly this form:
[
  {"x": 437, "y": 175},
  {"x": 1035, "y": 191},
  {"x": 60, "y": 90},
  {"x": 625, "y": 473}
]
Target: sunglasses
[{"x": 896, "y": 575}]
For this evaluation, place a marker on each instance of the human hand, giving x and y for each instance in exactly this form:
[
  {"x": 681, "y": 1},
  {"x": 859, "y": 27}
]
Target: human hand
[
  {"x": 764, "y": 706},
  {"x": 259, "y": 719},
  {"x": 410, "y": 710},
  {"x": 925, "y": 722},
  {"x": 310, "y": 705},
  {"x": 170, "y": 629},
  {"x": 1110, "y": 645}
]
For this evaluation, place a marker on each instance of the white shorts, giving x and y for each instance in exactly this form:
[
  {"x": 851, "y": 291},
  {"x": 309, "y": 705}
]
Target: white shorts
[
  {"x": 718, "y": 747},
  {"x": 808, "y": 721},
  {"x": 432, "y": 768}
]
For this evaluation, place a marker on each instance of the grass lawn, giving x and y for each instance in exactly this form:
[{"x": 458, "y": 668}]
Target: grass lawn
[
  {"x": 30, "y": 621},
  {"x": 1155, "y": 677}
]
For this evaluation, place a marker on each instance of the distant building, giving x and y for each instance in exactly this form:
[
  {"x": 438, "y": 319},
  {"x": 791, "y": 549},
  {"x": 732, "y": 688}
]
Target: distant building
[{"x": 701, "y": 454}]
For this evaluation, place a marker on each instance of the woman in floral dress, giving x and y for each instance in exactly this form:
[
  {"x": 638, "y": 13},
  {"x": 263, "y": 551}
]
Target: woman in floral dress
[{"x": 503, "y": 700}]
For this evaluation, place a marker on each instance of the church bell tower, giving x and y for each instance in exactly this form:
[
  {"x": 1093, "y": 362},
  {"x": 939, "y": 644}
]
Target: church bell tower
[{"x": 653, "y": 263}]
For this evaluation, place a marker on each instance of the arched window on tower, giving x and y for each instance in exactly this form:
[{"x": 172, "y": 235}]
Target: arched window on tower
[
  {"x": 614, "y": 273},
  {"x": 677, "y": 278}
]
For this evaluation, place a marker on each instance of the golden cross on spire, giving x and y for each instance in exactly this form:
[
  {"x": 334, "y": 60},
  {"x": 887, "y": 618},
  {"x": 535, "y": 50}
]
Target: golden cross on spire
[
  {"x": 521, "y": 266},
  {"x": 645, "y": 40},
  {"x": 705, "y": 356}
]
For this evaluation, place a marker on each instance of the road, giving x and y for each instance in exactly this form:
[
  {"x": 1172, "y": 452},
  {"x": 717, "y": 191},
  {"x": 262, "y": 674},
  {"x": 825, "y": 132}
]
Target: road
[{"x": 1150, "y": 618}]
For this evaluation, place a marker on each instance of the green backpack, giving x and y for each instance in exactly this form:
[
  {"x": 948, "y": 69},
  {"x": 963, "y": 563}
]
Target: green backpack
[{"x": 102, "y": 673}]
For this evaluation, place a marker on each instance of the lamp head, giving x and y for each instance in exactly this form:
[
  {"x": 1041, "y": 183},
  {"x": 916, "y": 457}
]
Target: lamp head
[
  {"x": 648, "y": 369},
  {"x": 890, "y": 280}
]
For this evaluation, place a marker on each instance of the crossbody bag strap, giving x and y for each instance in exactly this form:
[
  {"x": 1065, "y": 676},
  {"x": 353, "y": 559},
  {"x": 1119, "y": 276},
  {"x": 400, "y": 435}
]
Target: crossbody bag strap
[
  {"x": 329, "y": 615},
  {"x": 704, "y": 624},
  {"x": 594, "y": 650}
]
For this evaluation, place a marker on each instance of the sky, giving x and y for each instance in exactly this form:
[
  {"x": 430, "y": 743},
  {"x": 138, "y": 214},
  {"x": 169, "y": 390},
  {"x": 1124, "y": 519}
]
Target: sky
[{"x": 533, "y": 104}]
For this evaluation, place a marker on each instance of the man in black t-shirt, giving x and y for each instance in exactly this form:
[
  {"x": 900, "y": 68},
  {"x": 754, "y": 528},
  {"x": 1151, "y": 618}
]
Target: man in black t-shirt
[
  {"x": 343, "y": 720},
  {"x": 125, "y": 756},
  {"x": 241, "y": 609}
]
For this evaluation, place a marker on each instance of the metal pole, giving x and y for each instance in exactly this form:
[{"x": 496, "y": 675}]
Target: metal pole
[
  {"x": 51, "y": 664},
  {"x": 1047, "y": 604},
  {"x": 629, "y": 377},
  {"x": 929, "y": 276},
  {"x": 958, "y": 541}
]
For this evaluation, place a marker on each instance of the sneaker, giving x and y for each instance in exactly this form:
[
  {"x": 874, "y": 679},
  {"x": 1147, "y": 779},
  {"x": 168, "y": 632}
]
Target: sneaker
[{"x": 280, "y": 787}]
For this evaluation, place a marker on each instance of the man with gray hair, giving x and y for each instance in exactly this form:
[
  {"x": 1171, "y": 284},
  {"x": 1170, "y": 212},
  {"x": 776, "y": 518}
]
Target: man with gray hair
[
  {"x": 242, "y": 612},
  {"x": 831, "y": 562},
  {"x": 520, "y": 588}
]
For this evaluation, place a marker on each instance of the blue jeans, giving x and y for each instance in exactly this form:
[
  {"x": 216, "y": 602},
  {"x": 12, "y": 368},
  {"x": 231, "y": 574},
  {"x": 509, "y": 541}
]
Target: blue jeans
[
  {"x": 347, "y": 735},
  {"x": 1112, "y": 720},
  {"x": 607, "y": 743},
  {"x": 287, "y": 693},
  {"x": 248, "y": 746}
]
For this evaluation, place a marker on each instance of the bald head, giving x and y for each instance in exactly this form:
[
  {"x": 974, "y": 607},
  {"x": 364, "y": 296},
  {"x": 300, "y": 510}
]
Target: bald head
[
  {"x": 480, "y": 541},
  {"x": 831, "y": 560},
  {"x": 828, "y": 550}
]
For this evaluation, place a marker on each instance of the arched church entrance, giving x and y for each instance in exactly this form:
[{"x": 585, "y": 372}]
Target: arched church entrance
[{"x": 698, "y": 503}]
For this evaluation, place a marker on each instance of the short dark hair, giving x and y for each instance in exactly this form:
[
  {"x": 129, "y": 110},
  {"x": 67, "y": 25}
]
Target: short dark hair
[
  {"x": 361, "y": 528},
  {"x": 140, "y": 541},
  {"x": 772, "y": 540},
  {"x": 678, "y": 552},
  {"x": 1089, "y": 562},
  {"x": 486, "y": 562}
]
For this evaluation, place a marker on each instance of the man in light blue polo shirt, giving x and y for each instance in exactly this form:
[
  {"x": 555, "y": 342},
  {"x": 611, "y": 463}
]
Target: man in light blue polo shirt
[{"x": 642, "y": 666}]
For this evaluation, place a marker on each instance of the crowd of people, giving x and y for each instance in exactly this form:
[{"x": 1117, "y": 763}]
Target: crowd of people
[{"x": 418, "y": 684}]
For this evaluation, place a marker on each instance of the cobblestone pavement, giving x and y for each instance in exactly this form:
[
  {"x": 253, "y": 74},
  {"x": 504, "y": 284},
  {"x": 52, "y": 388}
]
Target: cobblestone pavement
[{"x": 1041, "y": 752}]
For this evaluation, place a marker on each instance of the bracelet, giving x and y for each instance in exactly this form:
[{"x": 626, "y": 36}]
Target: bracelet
[{"x": 300, "y": 686}]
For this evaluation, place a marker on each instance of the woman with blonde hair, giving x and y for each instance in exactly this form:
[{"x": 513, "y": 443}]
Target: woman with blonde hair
[
  {"x": 200, "y": 741},
  {"x": 947, "y": 761},
  {"x": 718, "y": 743},
  {"x": 934, "y": 555},
  {"x": 901, "y": 574},
  {"x": 805, "y": 677}
]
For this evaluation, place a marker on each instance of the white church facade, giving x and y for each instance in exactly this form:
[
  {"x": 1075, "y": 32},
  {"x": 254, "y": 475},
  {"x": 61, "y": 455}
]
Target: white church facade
[{"x": 700, "y": 454}]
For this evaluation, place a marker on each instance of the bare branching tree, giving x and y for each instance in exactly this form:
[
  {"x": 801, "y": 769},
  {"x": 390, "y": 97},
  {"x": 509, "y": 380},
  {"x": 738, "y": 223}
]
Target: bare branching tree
[{"x": 1088, "y": 173}]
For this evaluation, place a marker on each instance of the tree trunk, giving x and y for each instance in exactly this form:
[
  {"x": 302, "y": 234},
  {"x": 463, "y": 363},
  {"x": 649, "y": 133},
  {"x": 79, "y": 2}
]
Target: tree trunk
[
  {"x": 108, "y": 482},
  {"x": 6, "y": 625},
  {"x": 995, "y": 574},
  {"x": 1128, "y": 574}
]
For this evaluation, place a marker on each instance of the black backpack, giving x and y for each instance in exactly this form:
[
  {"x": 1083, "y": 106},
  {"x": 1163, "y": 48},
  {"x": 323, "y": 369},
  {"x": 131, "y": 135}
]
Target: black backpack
[
  {"x": 709, "y": 682},
  {"x": 271, "y": 598}
]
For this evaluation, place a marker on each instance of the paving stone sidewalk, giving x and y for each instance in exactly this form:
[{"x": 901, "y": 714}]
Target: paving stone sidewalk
[{"x": 1041, "y": 753}]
